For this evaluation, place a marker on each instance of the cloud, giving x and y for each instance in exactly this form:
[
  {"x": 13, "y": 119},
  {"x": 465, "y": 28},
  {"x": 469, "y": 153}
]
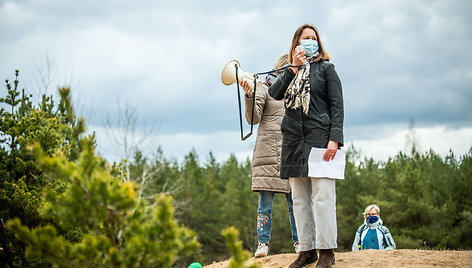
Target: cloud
[
  {"x": 440, "y": 139},
  {"x": 387, "y": 143},
  {"x": 397, "y": 59},
  {"x": 393, "y": 60},
  {"x": 221, "y": 144}
]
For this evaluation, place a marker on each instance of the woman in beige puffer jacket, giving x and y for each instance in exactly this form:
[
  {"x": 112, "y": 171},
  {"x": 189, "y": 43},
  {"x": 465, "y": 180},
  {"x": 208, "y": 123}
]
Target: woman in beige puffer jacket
[{"x": 268, "y": 113}]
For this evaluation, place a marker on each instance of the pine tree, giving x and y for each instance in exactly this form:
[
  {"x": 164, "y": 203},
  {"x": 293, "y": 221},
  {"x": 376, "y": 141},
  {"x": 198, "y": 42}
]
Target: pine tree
[
  {"x": 22, "y": 124},
  {"x": 239, "y": 255},
  {"x": 75, "y": 210},
  {"x": 116, "y": 229},
  {"x": 240, "y": 204}
]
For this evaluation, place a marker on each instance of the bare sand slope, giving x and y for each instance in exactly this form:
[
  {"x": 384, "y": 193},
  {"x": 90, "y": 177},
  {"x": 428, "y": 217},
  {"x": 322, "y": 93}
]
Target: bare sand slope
[{"x": 376, "y": 258}]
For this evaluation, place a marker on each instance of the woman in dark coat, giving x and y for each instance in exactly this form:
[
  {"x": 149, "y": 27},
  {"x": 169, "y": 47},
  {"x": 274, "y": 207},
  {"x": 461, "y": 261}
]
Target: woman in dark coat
[{"x": 314, "y": 116}]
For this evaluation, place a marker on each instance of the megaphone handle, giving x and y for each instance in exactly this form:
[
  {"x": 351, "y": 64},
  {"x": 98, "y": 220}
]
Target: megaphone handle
[
  {"x": 252, "y": 113},
  {"x": 247, "y": 136}
]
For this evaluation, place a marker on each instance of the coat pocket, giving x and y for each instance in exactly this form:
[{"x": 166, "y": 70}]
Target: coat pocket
[{"x": 266, "y": 150}]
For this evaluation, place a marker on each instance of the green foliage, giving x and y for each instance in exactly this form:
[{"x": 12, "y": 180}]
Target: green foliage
[
  {"x": 424, "y": 199},
  {"x": 66, "y": 206},
  {"x": 202, "y": 207},
  {"x": 22, "y": 124},
  {"x": 349, "y": 202},
  {"x": 118, "y": 230},
  {"x": 74, "y": 209},
  {"x": 239, "y": 202},
  {"x": 239, "y": 255}
]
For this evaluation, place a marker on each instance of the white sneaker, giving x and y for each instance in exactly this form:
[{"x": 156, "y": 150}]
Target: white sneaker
[
  {"x": 262, "y": 250},
  {"x": 297, "y": 247}
]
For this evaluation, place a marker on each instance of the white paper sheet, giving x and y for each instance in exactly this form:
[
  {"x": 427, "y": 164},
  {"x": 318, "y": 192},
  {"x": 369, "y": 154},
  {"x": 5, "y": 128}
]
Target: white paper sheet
[{"x": 319, "y": 168}]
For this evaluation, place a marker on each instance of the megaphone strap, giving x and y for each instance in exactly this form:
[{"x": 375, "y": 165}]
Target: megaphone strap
[{"x": 271, "y": 73}]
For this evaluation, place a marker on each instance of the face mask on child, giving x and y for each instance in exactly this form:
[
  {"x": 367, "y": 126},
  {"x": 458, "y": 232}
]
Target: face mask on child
[
  {"x": 310, "y": 46},
  {"x": 372, "y": 219}
]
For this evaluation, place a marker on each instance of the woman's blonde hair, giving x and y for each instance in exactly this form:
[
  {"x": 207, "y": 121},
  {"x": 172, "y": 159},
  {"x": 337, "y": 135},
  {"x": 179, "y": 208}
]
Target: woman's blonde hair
[
  {"x": 281, "y": 61},
  {"x": 373, "y": 206},
  {"x": 323, "y": 54}
]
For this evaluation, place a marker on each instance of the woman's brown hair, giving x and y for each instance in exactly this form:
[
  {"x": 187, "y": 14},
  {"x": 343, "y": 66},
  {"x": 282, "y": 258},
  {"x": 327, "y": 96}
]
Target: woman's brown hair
[{"x": 323, "y": 54}]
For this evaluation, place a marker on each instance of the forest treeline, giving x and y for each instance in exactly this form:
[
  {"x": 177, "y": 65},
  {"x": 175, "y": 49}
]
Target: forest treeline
[{"x": 65, "y": 205}]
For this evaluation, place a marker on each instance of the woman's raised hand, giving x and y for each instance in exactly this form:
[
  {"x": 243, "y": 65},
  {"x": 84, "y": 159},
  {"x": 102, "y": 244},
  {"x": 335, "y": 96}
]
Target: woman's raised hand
[
  {"x": 299, "y": 58},
  {"x": 246, "y": 88}
]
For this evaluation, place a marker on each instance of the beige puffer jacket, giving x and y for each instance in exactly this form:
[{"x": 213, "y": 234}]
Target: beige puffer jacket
[{"x": 268, "y": 114}]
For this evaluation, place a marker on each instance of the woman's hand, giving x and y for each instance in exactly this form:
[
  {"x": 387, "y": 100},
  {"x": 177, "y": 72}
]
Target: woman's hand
[
  {"x": 298, "y": 59},
  {"x": 246, "y": 88},
  {"x": 331, "y": 151}
]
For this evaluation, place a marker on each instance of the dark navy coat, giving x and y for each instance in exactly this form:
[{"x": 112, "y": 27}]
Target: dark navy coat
[{"x": 324, "y": 121}]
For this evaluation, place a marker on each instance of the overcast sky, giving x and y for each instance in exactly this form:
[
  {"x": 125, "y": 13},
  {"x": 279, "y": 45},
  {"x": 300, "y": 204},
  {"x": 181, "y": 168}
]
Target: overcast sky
[{"x": 398, "y": 61}]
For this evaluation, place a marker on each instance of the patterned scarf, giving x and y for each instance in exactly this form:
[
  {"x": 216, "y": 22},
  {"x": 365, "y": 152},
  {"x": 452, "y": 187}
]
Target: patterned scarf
[{"x": 298, "y": 92}]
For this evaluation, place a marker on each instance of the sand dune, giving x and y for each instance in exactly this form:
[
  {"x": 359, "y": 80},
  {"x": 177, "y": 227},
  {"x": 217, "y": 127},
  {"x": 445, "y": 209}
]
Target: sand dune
[{"x": 375, "y": 258}]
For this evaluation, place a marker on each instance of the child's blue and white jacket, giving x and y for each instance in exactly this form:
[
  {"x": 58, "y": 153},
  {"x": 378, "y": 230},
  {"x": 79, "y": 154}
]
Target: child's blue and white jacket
[{"x": 373, "y": 236}]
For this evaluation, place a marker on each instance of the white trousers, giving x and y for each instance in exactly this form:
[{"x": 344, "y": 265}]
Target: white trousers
[{"x": 314, "y": 208}]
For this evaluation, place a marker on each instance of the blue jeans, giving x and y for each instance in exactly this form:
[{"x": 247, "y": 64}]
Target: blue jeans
[{"x": 264, "y": 216}]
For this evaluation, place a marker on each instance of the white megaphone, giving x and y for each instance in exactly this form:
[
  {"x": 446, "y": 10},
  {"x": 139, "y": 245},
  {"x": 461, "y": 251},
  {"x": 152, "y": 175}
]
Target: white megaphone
[{"x": 228, "y": 75}]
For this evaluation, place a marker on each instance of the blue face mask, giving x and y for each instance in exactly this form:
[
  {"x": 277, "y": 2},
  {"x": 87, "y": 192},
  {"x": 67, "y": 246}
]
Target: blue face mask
[
  {"x": 372, "y": 219},
  {"x": 310, "y": 46}
]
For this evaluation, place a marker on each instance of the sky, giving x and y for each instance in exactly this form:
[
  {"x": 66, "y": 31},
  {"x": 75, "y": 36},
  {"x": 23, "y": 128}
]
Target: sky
[{"x": 147, "y": 73}]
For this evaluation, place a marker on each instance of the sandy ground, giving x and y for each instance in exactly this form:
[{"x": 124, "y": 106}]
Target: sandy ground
[{"x": 375, "y": 258}]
